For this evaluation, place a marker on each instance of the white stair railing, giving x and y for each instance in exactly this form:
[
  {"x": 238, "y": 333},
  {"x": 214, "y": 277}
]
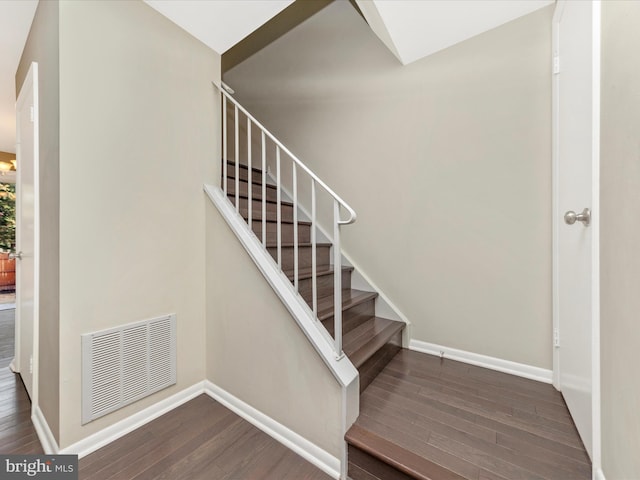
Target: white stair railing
[{"x": 228, "y": 102}]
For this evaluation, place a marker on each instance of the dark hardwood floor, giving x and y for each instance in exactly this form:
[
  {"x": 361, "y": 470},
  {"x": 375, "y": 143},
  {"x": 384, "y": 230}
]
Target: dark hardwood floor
[
  {"x": 441, "y": 419},
  {"x": 198, "y": 440},
  {"x": 17, "y": 434}
]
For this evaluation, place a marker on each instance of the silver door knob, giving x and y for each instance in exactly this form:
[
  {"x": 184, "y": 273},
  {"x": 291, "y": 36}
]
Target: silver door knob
[
  {"x": 15, "y": 256},
  {"x": 572, "y": 217}
]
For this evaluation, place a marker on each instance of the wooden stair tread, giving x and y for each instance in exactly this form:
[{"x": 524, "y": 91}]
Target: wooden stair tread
[
  {"x": 350, "y": 298},
  {"x": 254, "y": 181},
  {"x": 363, "y": 341},
  {"x": 255, "y": 195},
  {"x": 242, "y": 166},
  {"x": 398, "y": 457},
  {"x": 245, "y": 196},
  {"x": 304, "y": 273},
  {"x": 257, "y": 217},
  {"x": 300, "y": 244},
  {"x": 300, "y": 222}
]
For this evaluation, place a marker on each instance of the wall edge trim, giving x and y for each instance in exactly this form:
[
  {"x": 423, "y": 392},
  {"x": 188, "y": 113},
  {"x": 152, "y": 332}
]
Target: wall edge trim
[
  {"x": 287, "y": 437},
  {"x": 45, "y": 435},
  {"x": 506, "y": 366}
]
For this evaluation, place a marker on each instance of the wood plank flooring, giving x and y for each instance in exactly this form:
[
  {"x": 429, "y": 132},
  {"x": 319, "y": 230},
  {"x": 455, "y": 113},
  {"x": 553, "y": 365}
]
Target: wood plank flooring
[
  {"x": 477, "y": 424},
  {"x": 198, "y": 440},
  {"x": 17, "y": 434}
]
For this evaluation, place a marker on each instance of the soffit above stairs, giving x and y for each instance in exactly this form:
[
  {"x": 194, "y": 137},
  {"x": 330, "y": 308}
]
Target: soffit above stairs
[
  {"x": 219, "y": 24},
  {"x": 414, "y": 29}
]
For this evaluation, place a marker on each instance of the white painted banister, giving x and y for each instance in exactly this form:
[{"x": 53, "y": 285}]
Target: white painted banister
[
  {"x": 343, "y": 204},
  {"x": 334, "y": 209}
]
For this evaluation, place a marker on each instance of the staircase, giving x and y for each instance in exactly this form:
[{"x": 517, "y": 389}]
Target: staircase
[
  {"x": 368, "y": 341},
  {"x": 421, "y": 417},
  {"x": 266, "y": 202}
]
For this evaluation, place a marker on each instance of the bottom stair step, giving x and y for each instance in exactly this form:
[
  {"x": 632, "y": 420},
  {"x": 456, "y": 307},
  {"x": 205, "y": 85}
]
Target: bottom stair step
[
  {"x": 371, "y": 345},
  {"x": 364, "y": 341},
  {"x": 374, "y": 457}
]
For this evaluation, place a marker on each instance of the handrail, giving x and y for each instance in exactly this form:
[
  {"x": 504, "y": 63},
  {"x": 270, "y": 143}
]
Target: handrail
[
  {"x": 296, "y": 164},
  {"x": 352, "y": 214}
]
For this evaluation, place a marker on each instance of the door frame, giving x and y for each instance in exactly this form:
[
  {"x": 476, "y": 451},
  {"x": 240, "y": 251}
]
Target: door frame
[
  {"x": 557, "y": 216},
  {"x": 30, "y": 83}
]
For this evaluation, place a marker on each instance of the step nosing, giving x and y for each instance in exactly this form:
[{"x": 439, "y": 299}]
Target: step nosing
[
  {"x": 288, "y": 222},
  {"x": 254, "y": 199},
  {"x": 381, "y": 339},
  {"x": 243, "y": 166},
  {"x": 361, "y": 297},
  {"x": 300, "y": 244},
  {"x": 253, "y": 182},
  {"x": 324, "y": 272},
  {"x": 386, "y": 457}
]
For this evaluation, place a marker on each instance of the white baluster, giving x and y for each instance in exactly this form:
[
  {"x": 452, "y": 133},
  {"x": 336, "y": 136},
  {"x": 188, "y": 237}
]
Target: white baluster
[
  {"x": 249, "y": 173},
  {"x": 264, "y": 191},
  {"x": 314, "y": 280},
  {"x": 278, "y": 208},
  {"x": 237, "y": 155},
  {"x": 337, "y": 281},
  {"x": 294, "y": 179},
  {"x": 224, "y": 144}
]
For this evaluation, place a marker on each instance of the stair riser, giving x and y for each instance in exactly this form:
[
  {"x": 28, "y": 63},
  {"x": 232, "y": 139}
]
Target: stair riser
[
  {"x": 256, "y": 190},
  {"x": 370, "y": 468},
  {"x": 324, "y": 284},
  {"x": 272, "y": 209},
  {"x": 304, "y": 256},
  {"x": 256, "y": 177},
  {"x": 370, "y": 369},
  {"x": 304, "y": 232},
  {"x": 353, "y": 317}
]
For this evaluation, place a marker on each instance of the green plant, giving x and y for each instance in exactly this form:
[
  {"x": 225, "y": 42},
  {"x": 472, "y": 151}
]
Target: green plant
[{"x": 7, "y": 216}]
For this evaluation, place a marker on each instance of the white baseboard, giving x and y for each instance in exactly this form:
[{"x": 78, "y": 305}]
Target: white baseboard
[
  {"x": 107, "y": 435},
  {"x": 47, "y": 440},
  {"x": 303, "y": 447},
  {"x": 505, "y": 366},
  {"x": 598, "y": 474},
  {"x": 290, "y": 439}
]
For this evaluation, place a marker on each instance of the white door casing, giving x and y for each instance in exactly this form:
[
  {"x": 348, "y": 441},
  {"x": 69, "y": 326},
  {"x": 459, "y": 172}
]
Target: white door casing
[
  {"x": 576, "y": 136},
  {"x": 27, "y": 235}
]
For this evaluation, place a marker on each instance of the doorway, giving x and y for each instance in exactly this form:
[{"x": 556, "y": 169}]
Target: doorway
[
  {"x": 576, "y": 276},
  {"x": 27, "y": 234},
  {"x": 7, "y": 265}
]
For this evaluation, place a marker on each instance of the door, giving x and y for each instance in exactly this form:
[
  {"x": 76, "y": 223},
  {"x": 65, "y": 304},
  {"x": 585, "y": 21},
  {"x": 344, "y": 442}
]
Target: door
[
  {"x": 576, "y": 164},
  {"x": 26, "y": 240}
]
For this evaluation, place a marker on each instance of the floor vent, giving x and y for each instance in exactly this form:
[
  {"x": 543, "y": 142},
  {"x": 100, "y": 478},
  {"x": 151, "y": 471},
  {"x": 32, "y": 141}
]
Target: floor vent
[{"x": 124, "y": 364}]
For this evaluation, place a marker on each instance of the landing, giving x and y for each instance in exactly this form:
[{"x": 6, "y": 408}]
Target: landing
[{"x": 476, "y": 423}]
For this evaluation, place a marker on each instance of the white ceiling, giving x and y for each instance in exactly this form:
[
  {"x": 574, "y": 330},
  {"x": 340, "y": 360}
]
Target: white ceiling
[
  {"x": 411, "y": 29},
  {"x": 15, "y": 21},
  {"x": 414, "y": 29},
  {"x": 219, "y": 24}
]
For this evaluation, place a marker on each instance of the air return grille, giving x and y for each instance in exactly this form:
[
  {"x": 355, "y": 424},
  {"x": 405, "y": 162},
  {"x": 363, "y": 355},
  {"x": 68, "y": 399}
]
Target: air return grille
[{"x": 125, "y": 364}]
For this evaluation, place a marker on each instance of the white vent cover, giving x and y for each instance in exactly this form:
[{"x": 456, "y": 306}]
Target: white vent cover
[{"x": 124, "y": 364}]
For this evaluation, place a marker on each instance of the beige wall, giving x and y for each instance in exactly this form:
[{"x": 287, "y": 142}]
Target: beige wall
[
  {"x": 620, "y": 238},
  {"x": 138, "y": 123},
  {"x": 446, "y": 161},
  {"x": 257, "y": 352},
  {"x": 42, "y": 46}
]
